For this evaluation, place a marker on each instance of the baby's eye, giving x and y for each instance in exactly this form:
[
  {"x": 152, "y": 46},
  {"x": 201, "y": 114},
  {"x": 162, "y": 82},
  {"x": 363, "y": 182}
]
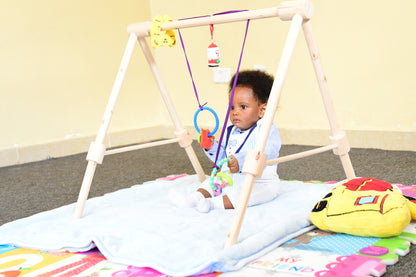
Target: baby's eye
[
  {"x": 232, "y": 108},
  {"x": 243, "y": 107}
]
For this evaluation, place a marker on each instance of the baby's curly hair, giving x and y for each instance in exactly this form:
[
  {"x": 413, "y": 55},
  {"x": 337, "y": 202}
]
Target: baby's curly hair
[{"x": 260, "y": 82}]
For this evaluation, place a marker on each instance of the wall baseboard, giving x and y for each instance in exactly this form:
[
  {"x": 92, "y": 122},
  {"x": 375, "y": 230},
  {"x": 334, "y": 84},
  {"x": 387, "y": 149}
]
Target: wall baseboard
[
  {"x": 399, "y": 141},
  {"x": 77, "y": 145}
]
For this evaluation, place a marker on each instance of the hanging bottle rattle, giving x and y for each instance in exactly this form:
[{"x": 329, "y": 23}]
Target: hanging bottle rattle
[{"x": 213, "y": 51}]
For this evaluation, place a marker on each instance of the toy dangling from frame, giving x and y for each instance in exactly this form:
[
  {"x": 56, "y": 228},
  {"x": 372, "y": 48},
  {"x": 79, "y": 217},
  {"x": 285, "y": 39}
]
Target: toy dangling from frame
[
  {"x": 158, "y": 37},
  {"x": 213, "y": 51},
  {"x": 204, "y": 135},
  {"x": 225, "y": 180}
]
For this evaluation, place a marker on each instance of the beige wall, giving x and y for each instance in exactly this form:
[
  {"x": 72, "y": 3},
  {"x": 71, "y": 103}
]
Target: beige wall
[
  {"x": 367, "y": 52},
  {"x": 58, "y": 61}
]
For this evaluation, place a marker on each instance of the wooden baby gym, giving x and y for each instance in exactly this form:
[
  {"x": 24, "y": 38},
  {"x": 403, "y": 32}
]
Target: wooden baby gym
[
  {"x": 299, "y": 13},
  {"x": 137, "y": 230}
]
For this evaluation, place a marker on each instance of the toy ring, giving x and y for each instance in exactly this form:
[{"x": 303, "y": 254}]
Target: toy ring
[
  {"x": 221, "y": 176},
  {"x": 217, "y": 122},
  {"x": 224, "y": 178},
  {"x": 158, "y": 37}
]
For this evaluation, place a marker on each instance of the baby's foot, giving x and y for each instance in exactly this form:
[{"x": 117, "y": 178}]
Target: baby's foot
[
  {"x": 184, "y": 200},
  {"x": 204, "y": 205}
]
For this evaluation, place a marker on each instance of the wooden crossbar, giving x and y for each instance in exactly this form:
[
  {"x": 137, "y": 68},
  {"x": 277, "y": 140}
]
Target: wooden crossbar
[
  {"x": 140, "y": 146},
  {"x": 285, "y": 11},
  {"x": 302, "y": 154}
]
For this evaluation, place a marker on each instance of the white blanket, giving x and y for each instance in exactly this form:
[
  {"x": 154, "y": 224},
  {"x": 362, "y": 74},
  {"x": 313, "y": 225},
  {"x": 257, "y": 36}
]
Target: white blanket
[{"x": 139, "y": 226}]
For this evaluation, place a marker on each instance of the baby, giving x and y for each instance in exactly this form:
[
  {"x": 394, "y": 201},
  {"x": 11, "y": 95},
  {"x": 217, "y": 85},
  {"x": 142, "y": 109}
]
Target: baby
[{"x": 248, "y": 106}]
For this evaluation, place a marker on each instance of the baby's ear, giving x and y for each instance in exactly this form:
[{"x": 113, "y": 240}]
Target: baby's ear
[{"x": 262, "y": 109}]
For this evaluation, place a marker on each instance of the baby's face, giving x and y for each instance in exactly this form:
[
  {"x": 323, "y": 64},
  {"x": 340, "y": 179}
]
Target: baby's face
[{"x": 245, "y": 109}]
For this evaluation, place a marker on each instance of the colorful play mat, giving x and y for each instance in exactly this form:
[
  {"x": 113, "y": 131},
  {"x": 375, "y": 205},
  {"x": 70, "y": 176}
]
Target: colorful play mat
[{"x": 137, "y": 232}]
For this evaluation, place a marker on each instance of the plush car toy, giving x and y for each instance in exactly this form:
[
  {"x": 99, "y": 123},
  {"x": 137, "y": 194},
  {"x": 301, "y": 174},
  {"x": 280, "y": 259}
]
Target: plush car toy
[{"x": 364, "y": 207}]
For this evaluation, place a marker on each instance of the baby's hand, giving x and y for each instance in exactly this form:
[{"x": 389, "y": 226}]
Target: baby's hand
[{"x": 233, "y": 165}]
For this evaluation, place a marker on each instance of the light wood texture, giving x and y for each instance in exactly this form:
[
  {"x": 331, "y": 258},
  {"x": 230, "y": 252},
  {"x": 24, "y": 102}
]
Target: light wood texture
[
  {"x": 286, "y": 10},
  {"x": 140, "y": 146},
  {"x": 172, "y": 112},
  {"x": 302, "y": 154},
  {"x": 85, "y": 189},
  {"x": 265, "y": 128},
  {"x": 338, "y": 136},
  {"x": 99, "y": 140}
]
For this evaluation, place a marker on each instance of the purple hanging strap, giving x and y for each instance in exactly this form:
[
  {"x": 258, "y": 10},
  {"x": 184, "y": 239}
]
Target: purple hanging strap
[
  {"x": 234, "y": 84},
  {"x": 231, "y": 97},
  {"x": 190, "y": 71},
  {"x": 227, "y": 12},
  {"x": 186, "y": 56}
]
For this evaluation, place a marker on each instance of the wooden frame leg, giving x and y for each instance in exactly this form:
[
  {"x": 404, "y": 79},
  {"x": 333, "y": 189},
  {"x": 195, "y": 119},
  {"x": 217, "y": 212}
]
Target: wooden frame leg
[
  {"x": 184, "y": 139},
  {"x": 264, "y": 131},
  {"x": 338, "y": 136},
  {"x": 97, "y": 149}
]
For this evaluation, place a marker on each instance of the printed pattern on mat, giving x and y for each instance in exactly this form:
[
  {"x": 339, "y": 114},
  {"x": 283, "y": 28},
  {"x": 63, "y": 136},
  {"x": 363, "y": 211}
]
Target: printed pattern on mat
[
  {"x": 285, "y": 262},
  {"x": 26, "y": 262},
  {"x": 288, "y": 262},
  {"x": 330, "y": 242}
]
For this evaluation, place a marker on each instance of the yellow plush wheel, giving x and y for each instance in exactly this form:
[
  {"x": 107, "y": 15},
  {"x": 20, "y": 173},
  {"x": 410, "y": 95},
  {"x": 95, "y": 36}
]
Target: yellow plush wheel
[{"x": 159, "y": 37}]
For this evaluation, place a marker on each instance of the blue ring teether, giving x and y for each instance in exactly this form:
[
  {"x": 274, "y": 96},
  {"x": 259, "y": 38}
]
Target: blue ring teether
[{"x": 217, "y": 121}]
